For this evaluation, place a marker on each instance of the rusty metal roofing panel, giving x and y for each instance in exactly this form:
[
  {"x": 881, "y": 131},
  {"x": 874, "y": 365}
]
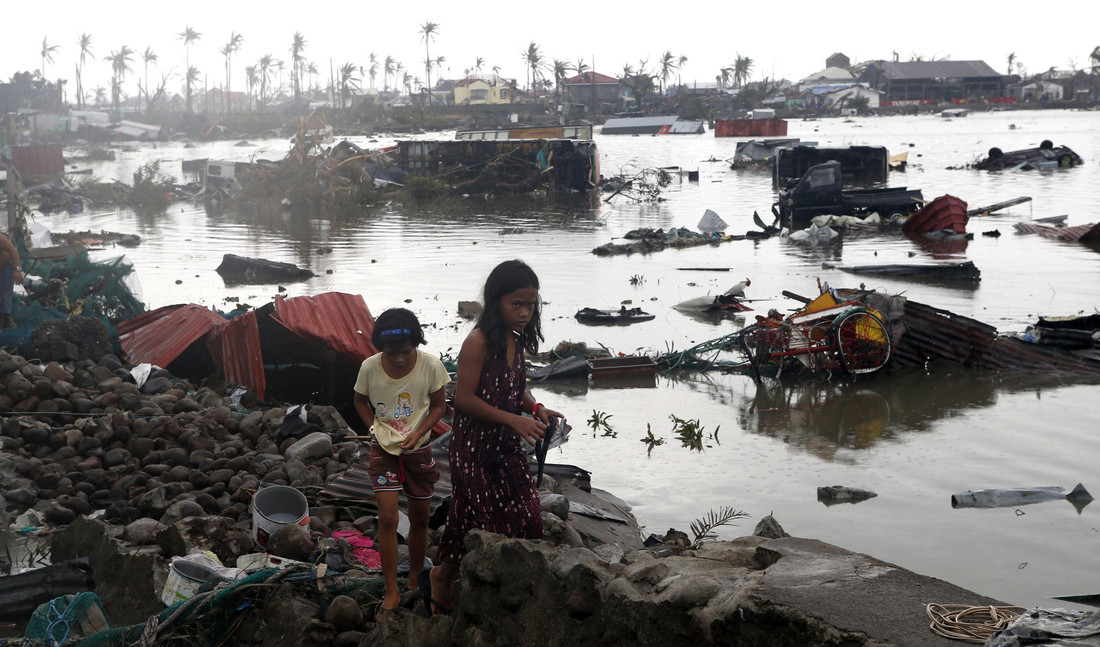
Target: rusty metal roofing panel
[
  {"x": 236, "y": 348},
  {"x": 336, "y": 320},
  {"x": 158, "y": 337},
  {"x": 1068, "y": 234}
]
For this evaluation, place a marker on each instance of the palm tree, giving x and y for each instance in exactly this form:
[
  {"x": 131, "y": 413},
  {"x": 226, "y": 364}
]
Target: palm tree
[
  {"x": 188, "y": 36},
  {"x": 665, "y": 68},
  {"x": 250, "y": 79},
  {"x": 266, "y": 61},
  {"x": 100, "y": 95},
  {"x": 347, "y": 81},
  {"x": 742, "y": 68},
  {"x": 581, "y": 67},
  {"x": 231, "y": 48},
  {"x": 532, "y": 59},
  {"x": 478, "y": 63},
  {"x": 679, "y": 66},
  {"x": 561, "y": 72},
  {"x": 387, "y": 70},
  {"x": 47, "y": 55},
  {"x": 120, "y": 65},
  {"x": 147, "y": 57},
  {"x": 85, "y": 44},
  {"x": 428, "y": 29},
  {"x": 311, "y": 70},
  {"x": 296, "y": 59},
  {"x": 372, "y": 69}
]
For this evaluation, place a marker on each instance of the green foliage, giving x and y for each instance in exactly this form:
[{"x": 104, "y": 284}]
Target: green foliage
[
  {"x": 598, "y": 421},
  {"x": 422, "y": 187},
  {"x": 691, "y": 433},
  {"x": 703, "y": 528},
  {"x": 151, "y": 189},
  {"x": 650, "y": 440}
]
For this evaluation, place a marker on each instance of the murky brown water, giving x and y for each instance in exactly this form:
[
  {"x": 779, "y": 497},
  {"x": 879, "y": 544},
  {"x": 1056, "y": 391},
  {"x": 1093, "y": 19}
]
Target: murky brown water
[{"x": 914, "y": 439}]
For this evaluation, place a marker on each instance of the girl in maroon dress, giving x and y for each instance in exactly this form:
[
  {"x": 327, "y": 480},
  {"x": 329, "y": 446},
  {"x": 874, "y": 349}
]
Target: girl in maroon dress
[{"x": 490, "y": 474}]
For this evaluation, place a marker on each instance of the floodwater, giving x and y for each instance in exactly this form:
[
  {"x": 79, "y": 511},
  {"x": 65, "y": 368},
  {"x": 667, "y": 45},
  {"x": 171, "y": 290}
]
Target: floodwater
[{"x": 915, "y": 439}]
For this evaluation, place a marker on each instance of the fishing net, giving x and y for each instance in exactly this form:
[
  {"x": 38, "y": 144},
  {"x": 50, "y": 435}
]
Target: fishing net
[
  {"x": 80, "y": 286},
  {"x": 53, "y": 622},
  {"x": 215, "y": 612}
]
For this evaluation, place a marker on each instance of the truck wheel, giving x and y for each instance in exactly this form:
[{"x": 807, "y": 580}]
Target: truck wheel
[{"x": 995, "y": 153}]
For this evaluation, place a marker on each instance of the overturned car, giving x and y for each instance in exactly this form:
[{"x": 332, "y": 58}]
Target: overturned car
[{"x": 1047, "y": 155}]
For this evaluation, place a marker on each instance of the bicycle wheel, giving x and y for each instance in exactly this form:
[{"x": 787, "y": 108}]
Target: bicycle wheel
[{"x": 862, "y": 342}]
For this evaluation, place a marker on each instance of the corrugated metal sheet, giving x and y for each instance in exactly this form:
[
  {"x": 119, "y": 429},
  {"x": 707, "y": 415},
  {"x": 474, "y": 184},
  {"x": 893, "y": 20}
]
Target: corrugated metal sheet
[
  {"x": 336, "y": 320},
  {"x": 158, "y": 337},
  {"x": 932, "y": 336},
  {"x": 38, "y": 162},
  {"x": 638, "y": 125},
  {"x": 1083, "y": 233},
  {"x": 687, "y": 128},
  {"x": 236, "y": 349}
]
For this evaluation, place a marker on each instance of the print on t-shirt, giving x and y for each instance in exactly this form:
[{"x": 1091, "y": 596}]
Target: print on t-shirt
[{"x": 398, "y": 418}]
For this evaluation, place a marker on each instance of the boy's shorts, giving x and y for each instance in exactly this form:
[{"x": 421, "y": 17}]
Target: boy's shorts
[{"x": 414, "y": 472}]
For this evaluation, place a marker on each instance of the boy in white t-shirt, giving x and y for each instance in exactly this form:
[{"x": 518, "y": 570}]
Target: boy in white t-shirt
[{"x": 399, "y": 395}]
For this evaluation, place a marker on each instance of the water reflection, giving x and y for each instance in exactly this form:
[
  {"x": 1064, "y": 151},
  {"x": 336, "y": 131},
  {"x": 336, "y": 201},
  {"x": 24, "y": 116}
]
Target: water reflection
[{"x": 822, "y": 417}]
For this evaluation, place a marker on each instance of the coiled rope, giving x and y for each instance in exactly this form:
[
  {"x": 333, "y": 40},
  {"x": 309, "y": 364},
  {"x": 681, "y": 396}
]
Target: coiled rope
[{"x": 970, "y": 624}]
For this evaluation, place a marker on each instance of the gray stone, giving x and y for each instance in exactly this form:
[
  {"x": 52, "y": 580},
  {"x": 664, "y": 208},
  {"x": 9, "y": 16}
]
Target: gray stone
[
  {"x": 142, "y": 531},
  {"x": 315, "y": 445}
]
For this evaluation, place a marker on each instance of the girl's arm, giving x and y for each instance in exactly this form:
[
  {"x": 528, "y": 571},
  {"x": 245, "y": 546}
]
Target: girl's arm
[
  {"x": 471, "y": 359},
  {"x": 542, "y": 413},
  {"x": 363, "y": 408},
  {"x": 437, "y": 406}
]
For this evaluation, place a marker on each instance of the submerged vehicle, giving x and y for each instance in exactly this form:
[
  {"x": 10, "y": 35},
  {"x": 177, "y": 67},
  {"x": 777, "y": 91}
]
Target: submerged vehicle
[
  {"x": 821, "y": 192},
  {"x": 1047, "y": 155},
  {"x": 858, "y": 164}
]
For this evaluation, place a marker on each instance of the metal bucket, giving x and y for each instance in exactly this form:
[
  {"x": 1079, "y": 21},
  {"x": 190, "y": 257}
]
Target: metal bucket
[
  {"x": 184, "y": 578},
  {"x": 276, "y": 506}
]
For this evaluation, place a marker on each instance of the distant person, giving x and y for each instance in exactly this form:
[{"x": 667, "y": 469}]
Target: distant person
[
  {"x": 11, "y": 272},
  {"x": 399, "y": 395},
  {"x": 492, "y": 485}
]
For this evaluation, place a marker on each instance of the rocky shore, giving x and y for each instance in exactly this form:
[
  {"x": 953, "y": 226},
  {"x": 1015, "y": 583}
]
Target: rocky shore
[{"x": 127, "y": 476}]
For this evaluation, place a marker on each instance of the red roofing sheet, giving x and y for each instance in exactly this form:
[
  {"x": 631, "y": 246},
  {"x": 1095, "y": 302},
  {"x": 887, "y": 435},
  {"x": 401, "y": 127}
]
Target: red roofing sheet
[
  {"x": 336, "y": 320},
  {"x": 945, "y": 212},
  {"x": 236, "y": 349},
  {"x": 158, "y": 337}
]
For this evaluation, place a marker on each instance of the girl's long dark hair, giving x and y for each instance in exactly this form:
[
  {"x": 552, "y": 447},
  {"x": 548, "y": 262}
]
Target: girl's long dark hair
[{"x": 506, "y": 278}]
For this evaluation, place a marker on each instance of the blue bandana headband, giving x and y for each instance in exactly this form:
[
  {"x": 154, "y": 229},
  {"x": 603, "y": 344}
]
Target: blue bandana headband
[{"x": 394, "y": 331}]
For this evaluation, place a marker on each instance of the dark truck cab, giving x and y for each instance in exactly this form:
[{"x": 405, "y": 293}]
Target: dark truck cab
[{"x": 821, "y": 191}]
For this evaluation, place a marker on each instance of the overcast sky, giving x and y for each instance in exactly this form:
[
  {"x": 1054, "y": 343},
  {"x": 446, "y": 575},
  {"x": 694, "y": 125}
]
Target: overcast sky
[{"x": 784, "y": 39}]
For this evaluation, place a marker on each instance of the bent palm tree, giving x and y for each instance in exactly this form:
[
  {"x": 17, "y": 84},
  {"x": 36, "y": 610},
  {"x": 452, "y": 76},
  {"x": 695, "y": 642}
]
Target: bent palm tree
[
  {"x": 120, "y": 65},
  {"x": 231, "y": 48},
  {"x": 85, "y": 44},
  {"x": 742, "y": 69},
  {"x": 47, "y": 55}
]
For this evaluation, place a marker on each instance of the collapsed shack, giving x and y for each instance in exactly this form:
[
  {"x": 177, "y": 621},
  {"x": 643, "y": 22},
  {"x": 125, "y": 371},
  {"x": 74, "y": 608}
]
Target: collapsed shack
[
  {"x": 301, "y": 349},
  {"x": 924, "y": 336},
  {"x": 504, "y": 166}
]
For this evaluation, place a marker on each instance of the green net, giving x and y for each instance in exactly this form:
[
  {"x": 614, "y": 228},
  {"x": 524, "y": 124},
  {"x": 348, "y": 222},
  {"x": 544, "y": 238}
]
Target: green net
[
  {"x": 52, "y": 622},
  {"x": 80, "y": 286},
  {"x": 215, "y": 612}
]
